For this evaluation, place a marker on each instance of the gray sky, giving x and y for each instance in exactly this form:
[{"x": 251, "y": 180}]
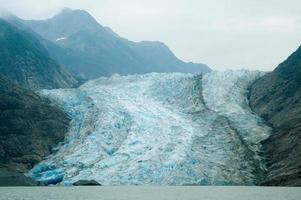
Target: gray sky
[{"x": 253, "y": 34}]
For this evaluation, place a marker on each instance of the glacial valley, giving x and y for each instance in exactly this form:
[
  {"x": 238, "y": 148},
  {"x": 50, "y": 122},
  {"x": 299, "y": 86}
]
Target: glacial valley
[{"x": 158, "y": 129}]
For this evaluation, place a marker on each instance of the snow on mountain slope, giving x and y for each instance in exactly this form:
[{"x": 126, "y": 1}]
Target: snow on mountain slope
[{"x": 158, "y": 129}]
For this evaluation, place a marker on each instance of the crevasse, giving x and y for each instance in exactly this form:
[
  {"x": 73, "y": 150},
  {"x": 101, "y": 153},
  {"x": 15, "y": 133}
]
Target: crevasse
[{"x": 158, "y": 129}]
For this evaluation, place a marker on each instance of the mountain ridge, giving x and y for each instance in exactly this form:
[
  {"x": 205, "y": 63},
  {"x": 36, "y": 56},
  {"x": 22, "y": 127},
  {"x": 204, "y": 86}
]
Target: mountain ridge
[
  {"x": 25, "y": 61},
  {"x": 98, "y": 51}
]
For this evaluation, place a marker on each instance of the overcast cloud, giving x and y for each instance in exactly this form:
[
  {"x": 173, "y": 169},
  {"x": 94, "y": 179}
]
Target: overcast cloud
[{"x": 253, "y": 34}]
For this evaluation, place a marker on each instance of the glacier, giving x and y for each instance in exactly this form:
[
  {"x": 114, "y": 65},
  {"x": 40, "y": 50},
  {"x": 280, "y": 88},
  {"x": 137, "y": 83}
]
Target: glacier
[{"x": 158, "y": 129}]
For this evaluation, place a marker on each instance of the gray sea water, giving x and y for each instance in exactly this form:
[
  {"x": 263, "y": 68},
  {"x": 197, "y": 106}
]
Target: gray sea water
[{"x": 150, "y": 193}]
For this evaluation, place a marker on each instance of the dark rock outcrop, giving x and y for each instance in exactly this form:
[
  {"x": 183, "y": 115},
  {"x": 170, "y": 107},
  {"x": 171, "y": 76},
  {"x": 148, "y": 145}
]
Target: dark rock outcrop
[
  {"x": 276, "y": 97},
  {"x": 11, "y": 177},
  {"x": 29, "y": 128},
  {"x": 25, "y": 61},
  {"x": 90, "y": 50},
  {"x": 86, "y": 183}
]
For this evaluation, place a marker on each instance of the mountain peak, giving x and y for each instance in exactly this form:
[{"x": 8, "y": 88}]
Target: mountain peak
[
  {"x": 66, "y": 23},
  {"x": 75, "y": 15},
  {"x": 66, "y": 9},
  {"x": 95, "y": 50},
  {"x": 69, "y": 11}
]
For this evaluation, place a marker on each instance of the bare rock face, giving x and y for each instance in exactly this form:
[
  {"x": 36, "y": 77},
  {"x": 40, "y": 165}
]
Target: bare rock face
[
  {"x": 11, "y": 177},
  {"x": 277, "y": 98},
  {"x": 29, "y": 128}
]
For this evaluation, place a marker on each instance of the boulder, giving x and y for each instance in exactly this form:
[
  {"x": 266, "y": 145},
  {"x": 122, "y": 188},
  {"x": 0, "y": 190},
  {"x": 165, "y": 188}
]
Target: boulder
[{"x": 86, "y": 183}]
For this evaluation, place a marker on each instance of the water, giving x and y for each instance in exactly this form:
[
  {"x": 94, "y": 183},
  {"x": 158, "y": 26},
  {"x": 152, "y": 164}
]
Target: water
[
  {"x": 150, "y": 193},
  {"x": 158, "y": 129}
]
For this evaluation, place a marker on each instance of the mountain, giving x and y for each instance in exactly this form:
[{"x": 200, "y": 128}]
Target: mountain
[
  {"x": 29, "y": 128},
  {"x": 91, "y": 50},
  {"x": 24, "y": 60},
  {"x": 277, "y": 98}
]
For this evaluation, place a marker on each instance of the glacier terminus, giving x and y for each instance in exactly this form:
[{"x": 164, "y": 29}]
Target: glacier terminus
[{"x": 158, "y": 129}]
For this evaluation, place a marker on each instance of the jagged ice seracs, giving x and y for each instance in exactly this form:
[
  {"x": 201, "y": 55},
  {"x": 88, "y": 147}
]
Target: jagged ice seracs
[{"x": 158, "y": 129}]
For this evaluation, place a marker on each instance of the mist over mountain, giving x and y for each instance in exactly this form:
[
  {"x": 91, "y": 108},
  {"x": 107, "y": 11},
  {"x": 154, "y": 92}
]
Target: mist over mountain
[{"x": 91, "y": 50}]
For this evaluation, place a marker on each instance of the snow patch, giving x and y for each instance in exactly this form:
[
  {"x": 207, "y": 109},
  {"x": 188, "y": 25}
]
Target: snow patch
[{"x": 59, "y": 39}]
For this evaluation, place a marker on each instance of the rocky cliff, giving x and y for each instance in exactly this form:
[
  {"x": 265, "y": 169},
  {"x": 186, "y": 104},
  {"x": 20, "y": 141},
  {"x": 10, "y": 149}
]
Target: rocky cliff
[
  {"x": 277, "y": 98},
  {"x": 29, "y": 128}
]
